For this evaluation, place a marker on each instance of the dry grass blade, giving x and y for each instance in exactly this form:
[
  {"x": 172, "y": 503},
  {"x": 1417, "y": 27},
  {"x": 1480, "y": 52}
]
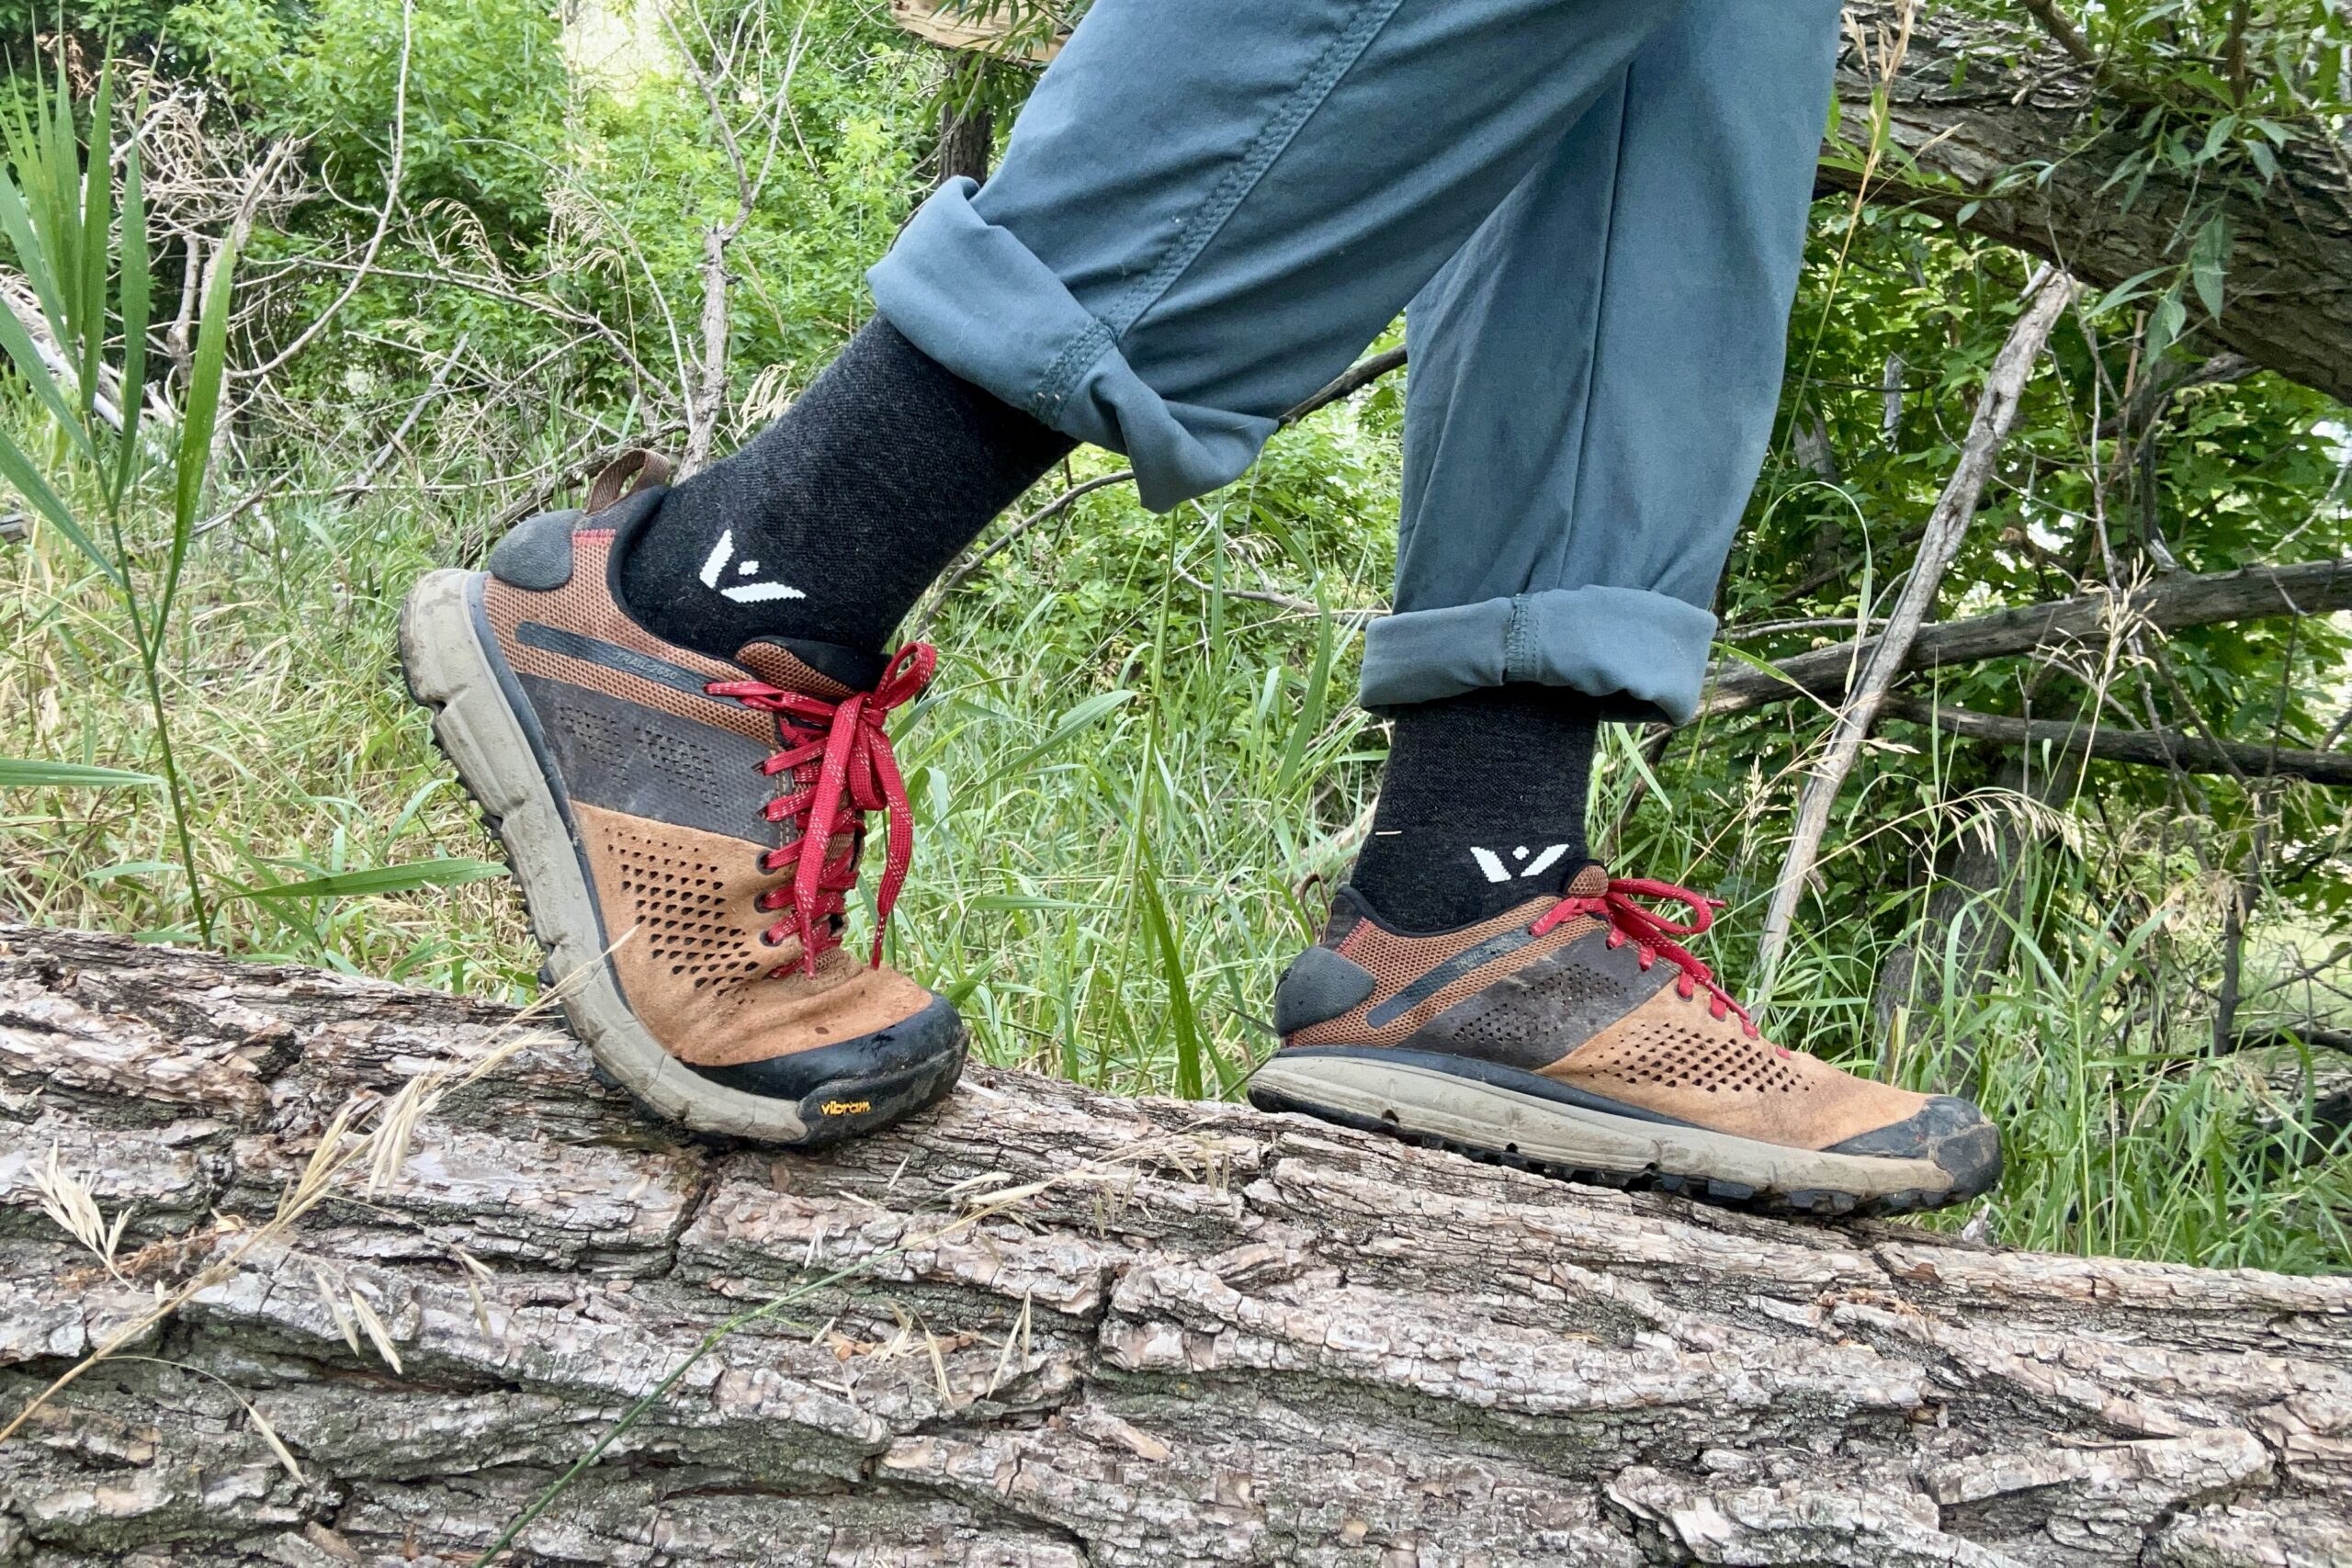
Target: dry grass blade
[
  {"x": 395, "y": 1126},
  {"x": 477, "y": 1273},
  {"x": 333, "y": 1298},
  {"x": 269, "y": 1435},
  {"x": 938, "y": 1367},
  {"x": 324, "y": 1161},
  {"x": 65, "y": 1199},
  {"x": 377, "y": 1335},
  {"x": 337, "y": 1151},
  {"x": 1018, "y": 1334}
]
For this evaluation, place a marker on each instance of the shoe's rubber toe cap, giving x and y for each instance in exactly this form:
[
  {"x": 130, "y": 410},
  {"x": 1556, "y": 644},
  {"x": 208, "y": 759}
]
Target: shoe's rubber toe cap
[
  {"x": 859, "y": 1085},
  {"x": 1949, "y": 1131}
]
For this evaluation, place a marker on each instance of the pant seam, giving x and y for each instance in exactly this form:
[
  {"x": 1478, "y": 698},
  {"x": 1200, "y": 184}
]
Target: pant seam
[
  {"x": 1061, "y": 376},
  {"x": 1193, "y": 236},
  {"x": 1519, "y": 637}
]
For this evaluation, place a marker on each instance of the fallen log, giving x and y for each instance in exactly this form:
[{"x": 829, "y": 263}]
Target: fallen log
[{"x": 1060, "y": 1329}]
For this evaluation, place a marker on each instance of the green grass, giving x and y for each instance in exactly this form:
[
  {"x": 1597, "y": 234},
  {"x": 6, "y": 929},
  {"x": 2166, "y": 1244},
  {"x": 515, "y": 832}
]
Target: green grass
[{"x": 1128, "y": 789}]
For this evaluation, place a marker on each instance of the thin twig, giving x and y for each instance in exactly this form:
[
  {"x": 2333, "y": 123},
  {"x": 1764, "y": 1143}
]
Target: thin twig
[
  {"x": 383, "y": 217},
  {"x": 1287, "y": 601},
  {"x": 1996, "y": 410},
  {"x": 2147, "y": 748},
  {"x": 1053, "y": 508},
  {"x": 360, "y": 482},
  {"x": 2064, "y": 32}
]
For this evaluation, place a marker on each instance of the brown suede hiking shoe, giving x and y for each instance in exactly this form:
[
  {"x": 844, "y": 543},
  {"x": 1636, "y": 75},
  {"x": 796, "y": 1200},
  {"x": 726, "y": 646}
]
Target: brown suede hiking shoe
[
  {"x": 655, "y": 805},
  {"x": 1573, "y": 1037}
]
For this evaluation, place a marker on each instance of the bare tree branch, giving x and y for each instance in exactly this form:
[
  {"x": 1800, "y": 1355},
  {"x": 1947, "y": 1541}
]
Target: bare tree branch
[
  {"x": 1354, "y": 379},
  {"x": 1947, "y": 525},
  {"x": 320, "y": 323},
  {"x": 2153, "y": 748},
  {"x": 2168, "y": 604}
]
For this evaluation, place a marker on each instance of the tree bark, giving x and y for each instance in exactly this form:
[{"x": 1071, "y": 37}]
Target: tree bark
[
  {"x": 967, "y": 137},
  {"x": 1976, "y": 97},
  {"x": 1201, "y": 1335}
]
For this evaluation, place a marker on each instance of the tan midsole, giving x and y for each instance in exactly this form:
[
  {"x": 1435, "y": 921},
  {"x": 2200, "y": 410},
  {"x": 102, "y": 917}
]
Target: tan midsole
[
  {"x": 482, "y": 738},
  {"x": 1465, "y": 1111}
]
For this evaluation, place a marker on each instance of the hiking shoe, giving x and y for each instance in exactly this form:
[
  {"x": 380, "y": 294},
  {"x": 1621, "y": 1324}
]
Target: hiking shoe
[
  {"x": 1575, "y": 1037},
  {"x": 657, "y": 806}
]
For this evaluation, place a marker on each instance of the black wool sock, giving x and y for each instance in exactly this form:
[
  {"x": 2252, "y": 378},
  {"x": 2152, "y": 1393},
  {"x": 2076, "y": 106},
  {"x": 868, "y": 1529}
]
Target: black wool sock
[
  {"x": 832, "y": 520},
  {"x": 1481, "y": 806}
]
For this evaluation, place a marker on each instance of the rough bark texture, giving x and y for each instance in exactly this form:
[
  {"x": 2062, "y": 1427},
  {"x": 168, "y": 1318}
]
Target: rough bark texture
[
  {"x": 1975, "y": 98},
  {"x": 1221, "y": 1338},
  {"x": 966, "y": 137}
]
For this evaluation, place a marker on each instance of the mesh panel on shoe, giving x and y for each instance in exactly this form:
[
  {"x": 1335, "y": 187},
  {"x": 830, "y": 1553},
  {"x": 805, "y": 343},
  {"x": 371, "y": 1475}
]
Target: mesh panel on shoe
[
  {"x": 1495, "y": 1022},
  {"x": 779, "y": 667},
  {"x": 1504, "y": 1019},
  {"x": 1397, "y": 961},
  {"x": 585, "y": 604},
  {"x": 1697, "y": 1054},
  {"x": 693, "y": 769},
  {"x": 689, "y": 921}
]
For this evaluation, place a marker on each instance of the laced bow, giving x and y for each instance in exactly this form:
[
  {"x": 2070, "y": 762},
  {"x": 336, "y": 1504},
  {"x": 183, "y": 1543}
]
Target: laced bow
[
  {"x": 1654, "y": 935},
  {"x": 856, "y": 771}
]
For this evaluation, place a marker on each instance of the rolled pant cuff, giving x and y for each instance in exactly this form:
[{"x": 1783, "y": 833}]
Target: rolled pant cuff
[
  {"x": 1645, "y": 650},
  {"x": 974, "y": 297}
]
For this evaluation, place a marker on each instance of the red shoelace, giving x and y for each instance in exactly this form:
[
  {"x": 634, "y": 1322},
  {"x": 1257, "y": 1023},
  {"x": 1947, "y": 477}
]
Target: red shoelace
[
  {"x": 1654, "y": 936},
  {"x": 856, "y": 773}
]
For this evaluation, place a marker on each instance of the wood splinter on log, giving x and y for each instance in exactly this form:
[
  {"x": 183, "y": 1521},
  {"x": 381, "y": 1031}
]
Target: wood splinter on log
[{"x": 1076, "y": 1330}]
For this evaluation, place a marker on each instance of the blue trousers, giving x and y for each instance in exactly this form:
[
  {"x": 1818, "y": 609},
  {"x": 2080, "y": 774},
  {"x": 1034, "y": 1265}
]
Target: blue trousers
[{"x": 1591, "y": 213}]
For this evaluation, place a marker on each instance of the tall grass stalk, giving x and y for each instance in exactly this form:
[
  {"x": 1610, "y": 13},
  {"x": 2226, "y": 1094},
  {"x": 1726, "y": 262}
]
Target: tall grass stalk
[{"x": 87, "y": 260}]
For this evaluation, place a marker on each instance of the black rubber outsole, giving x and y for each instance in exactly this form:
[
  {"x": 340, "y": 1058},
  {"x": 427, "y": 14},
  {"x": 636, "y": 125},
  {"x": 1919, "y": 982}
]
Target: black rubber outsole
[
  {"x": 835, "y": 1111},
  {"x": 1815, "y": 1203}
]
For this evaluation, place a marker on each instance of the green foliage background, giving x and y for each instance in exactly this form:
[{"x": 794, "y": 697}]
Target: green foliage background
[{"x": 1140, "y": 767}]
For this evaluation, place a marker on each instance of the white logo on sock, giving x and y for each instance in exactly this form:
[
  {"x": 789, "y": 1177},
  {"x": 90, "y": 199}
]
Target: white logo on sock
[
  {"x": 1492, "y": 864},
  {"x": 742, "y": 593}
]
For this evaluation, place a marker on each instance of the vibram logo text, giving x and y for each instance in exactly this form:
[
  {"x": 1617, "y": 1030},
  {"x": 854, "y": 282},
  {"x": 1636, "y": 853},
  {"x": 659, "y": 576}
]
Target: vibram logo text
[{"x": 845, "y": 1107}]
